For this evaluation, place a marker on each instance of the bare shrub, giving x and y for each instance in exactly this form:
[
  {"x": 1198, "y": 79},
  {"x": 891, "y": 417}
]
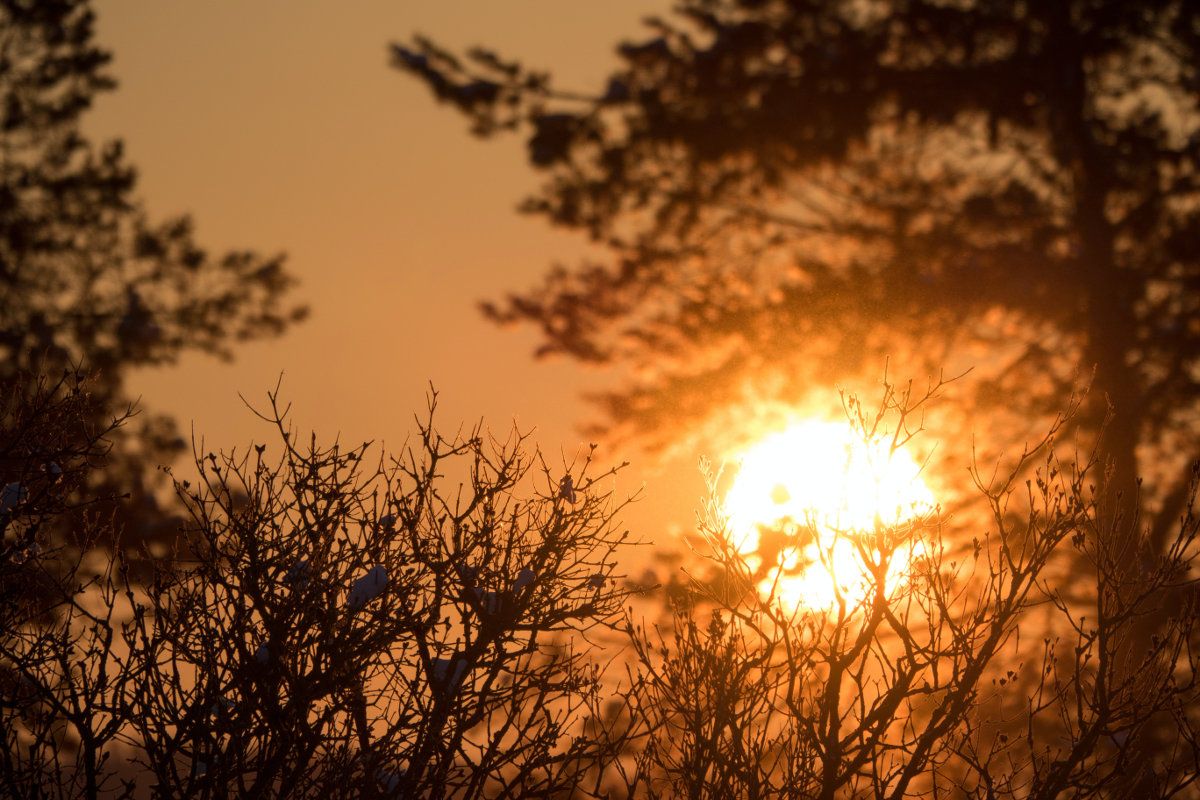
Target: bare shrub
[
  {"x": 60, "y": 688},
  {"x": 336, "y": 622},
  {"x": 337, "y": 626},
  {"x": 1010, "y": 665}
]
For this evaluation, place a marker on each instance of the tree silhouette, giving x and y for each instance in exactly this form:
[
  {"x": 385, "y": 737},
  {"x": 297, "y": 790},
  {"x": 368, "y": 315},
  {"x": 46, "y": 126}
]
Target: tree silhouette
[
  {"x": 791, "y": 189},
  {"x": 87, "y": 281}
]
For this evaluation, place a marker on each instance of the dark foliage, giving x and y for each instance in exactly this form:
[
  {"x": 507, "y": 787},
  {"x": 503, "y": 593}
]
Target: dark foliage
[
  {"x": 791, "y": 188},
  {"x": 86, "y": 279}
]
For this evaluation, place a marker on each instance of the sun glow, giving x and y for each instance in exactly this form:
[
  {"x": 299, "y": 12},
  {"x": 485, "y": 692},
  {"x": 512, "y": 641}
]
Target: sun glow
[{"x": 805, "y": 500}]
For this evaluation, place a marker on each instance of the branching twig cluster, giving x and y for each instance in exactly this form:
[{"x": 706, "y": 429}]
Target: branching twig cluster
[
  {"x": 339, "y": 623},
  {"x": 997, "y": 668},
  {"x": 335, "y": 626}
]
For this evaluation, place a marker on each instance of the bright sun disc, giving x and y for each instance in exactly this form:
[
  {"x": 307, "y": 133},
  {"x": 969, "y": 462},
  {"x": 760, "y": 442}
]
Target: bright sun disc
[{"x": 824, "y": 474}]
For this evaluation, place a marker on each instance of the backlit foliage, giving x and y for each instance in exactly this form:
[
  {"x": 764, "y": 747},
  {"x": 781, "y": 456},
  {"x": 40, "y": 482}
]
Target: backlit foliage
[{"x": 789, "y": 190}]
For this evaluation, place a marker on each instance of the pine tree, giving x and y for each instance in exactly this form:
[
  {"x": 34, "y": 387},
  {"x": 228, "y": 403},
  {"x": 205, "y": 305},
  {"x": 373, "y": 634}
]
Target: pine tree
[
  {"x": 791, "y": 190},
  {"x": 87, "y": 281}
]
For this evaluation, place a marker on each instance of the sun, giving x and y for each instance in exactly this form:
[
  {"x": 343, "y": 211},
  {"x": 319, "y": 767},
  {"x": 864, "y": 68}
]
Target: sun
[{"x": 802, "y": 500}]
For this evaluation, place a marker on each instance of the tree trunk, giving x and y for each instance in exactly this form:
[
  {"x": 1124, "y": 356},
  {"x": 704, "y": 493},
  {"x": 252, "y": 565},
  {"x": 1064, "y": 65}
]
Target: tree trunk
[{"x": 1110, "y": 291}]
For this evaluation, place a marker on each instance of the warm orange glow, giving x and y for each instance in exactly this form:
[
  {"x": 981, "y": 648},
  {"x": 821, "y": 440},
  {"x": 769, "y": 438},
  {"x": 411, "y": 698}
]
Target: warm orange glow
[{"x": 824, "y": 474}]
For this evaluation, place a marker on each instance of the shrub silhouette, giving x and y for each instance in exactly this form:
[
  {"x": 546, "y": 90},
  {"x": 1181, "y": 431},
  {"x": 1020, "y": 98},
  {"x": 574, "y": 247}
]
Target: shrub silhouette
[
  {"x": 342, "y": 623},
  {"x": 60, "y": 709},
  {"x": 334, "y": 626},
  {"x": 994, "y": 670}
]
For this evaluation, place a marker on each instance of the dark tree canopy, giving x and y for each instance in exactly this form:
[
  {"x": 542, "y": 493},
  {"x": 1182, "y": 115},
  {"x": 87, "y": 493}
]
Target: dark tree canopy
[
  {"x": 87, "y": 281},
  {"x": 792, "y": 190}
]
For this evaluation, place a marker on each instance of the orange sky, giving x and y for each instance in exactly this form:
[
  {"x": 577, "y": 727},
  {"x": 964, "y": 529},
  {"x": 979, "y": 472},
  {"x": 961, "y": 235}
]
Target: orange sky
[{"x": 280, "y": 126}]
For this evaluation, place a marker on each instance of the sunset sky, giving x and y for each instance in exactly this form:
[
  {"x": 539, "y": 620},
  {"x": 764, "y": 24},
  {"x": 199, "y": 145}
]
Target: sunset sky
[
  {"x": 281, "y": 126},
  {"x": 866, "y": 463}
]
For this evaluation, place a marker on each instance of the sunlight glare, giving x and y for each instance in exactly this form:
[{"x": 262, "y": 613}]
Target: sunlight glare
[{"x": 824, "y": 474}]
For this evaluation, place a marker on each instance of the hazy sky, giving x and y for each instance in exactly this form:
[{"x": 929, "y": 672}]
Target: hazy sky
[{"x": 280, "y": 126}]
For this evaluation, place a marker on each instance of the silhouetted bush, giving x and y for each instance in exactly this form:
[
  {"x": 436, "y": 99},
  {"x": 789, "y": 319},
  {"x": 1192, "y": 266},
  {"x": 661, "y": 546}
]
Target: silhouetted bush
[
  {"x": 342, "y": 623},
  {"x": 59, "y": 708},
  {"x": 996, "y": 669},
  {"x": 332, "y": 626}
]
